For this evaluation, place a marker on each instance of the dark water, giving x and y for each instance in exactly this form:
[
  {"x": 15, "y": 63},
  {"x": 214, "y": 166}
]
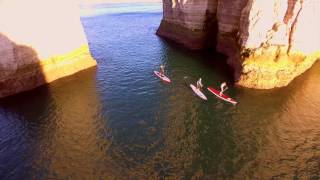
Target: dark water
[{"x": 120, "y": 122}]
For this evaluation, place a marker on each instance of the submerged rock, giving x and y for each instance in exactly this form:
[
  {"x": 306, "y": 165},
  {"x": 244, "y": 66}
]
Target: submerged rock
[{"x": 268, "y": 43}]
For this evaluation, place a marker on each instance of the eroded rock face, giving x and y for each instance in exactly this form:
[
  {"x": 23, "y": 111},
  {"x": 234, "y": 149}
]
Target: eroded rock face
[
  {"x": 188, "y": 22},
  {"x": 278, "y": 41},
  {"x": 268, "y": 43},
  {"x": 40, "y": 41}
]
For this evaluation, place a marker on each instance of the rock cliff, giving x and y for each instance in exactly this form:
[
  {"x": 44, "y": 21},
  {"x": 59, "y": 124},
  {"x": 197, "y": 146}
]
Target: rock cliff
[
  {"x": 40, "y": 41},
  {"x": 189, "y": 22},
  {"x": 268, "y": 43}
]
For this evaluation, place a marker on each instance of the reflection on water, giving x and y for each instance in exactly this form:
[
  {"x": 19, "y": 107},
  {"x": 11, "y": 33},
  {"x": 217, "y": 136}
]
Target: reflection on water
[{"x": 120, "y": 122}]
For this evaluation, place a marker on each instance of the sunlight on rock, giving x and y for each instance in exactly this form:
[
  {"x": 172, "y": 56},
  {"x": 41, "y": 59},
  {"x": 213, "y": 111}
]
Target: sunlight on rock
[{"x": 35, "y": 33}]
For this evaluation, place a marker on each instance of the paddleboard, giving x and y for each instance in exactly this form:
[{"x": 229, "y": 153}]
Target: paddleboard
[
  {"x": 223, "y": 96},
  {"x": 198, "y": 92},
  {"x": 162, "y": 77}
]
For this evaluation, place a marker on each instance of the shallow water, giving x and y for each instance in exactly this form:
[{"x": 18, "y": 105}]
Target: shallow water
[{"x": 119, "y": 121}]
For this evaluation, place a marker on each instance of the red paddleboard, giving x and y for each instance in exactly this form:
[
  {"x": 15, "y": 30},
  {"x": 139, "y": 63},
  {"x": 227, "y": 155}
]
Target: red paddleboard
[
  {"x": 223, "y": 96},
  {"x": 162, "y": 77}
]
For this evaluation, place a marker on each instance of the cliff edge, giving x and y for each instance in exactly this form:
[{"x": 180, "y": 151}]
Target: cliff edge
[
  {"x": 40, "y": 41},
  {"x": 268, "y": 43}
]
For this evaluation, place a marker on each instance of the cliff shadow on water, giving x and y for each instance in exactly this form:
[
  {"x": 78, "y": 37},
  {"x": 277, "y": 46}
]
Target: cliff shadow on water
[
  {"x": 41, "y": 122},
  {"x": 209, "y": 59},
  {"x": 46, "y": 128}
]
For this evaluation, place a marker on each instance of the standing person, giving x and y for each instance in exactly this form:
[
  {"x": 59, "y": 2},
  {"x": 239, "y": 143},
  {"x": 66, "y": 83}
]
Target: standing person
[
  {"x": 162, "y": 70},
  {"x": 223, "y": 88},
  {"x": 199, "y": 84}
]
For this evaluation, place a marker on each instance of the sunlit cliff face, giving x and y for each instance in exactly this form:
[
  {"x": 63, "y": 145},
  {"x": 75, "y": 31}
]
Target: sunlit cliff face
[
  {"x": 178, "y": 2},
  {"x": 278, "y": 40},
  {"x": 49, "y": 27},
  {"x": 286, "y": 23},
  {"x": 40, "y": 41}
]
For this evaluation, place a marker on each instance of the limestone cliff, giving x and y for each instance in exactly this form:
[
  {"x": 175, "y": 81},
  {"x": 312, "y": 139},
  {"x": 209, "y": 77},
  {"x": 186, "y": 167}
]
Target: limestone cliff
[
  {"x": 40, "y": 41},
  {"x": 188, "y": 22},
  {"x": 268, "y": 43}
]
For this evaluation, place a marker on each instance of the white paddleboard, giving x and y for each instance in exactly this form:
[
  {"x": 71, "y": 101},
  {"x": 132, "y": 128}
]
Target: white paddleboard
[
  {"x": 198, "y": 92},
  {"x": 162, "y": 77}
]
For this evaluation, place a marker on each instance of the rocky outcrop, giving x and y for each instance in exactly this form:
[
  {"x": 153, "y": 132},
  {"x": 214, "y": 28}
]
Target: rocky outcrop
[
  {"x": 189, "y": 22},
  {"x": 268, "y": 43},
  {"x": 40, "y": 41}
]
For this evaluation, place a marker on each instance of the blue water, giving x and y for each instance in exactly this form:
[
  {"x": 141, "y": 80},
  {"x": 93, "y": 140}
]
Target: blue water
[{"x": 118, "y": 121}]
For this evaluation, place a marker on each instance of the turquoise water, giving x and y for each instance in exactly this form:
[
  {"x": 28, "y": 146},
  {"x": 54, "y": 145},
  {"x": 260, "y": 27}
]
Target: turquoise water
[
  {"x": 118, "y": 121},
  {"x": 119, "y": 8}
]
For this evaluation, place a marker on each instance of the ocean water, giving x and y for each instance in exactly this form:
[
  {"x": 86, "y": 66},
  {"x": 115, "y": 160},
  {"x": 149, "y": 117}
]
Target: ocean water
[{"x": 118, "y": 121}]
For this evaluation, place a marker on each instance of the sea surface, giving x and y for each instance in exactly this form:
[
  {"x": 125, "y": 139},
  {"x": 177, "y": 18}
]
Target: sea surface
[{"x": 118, "y": 121}]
